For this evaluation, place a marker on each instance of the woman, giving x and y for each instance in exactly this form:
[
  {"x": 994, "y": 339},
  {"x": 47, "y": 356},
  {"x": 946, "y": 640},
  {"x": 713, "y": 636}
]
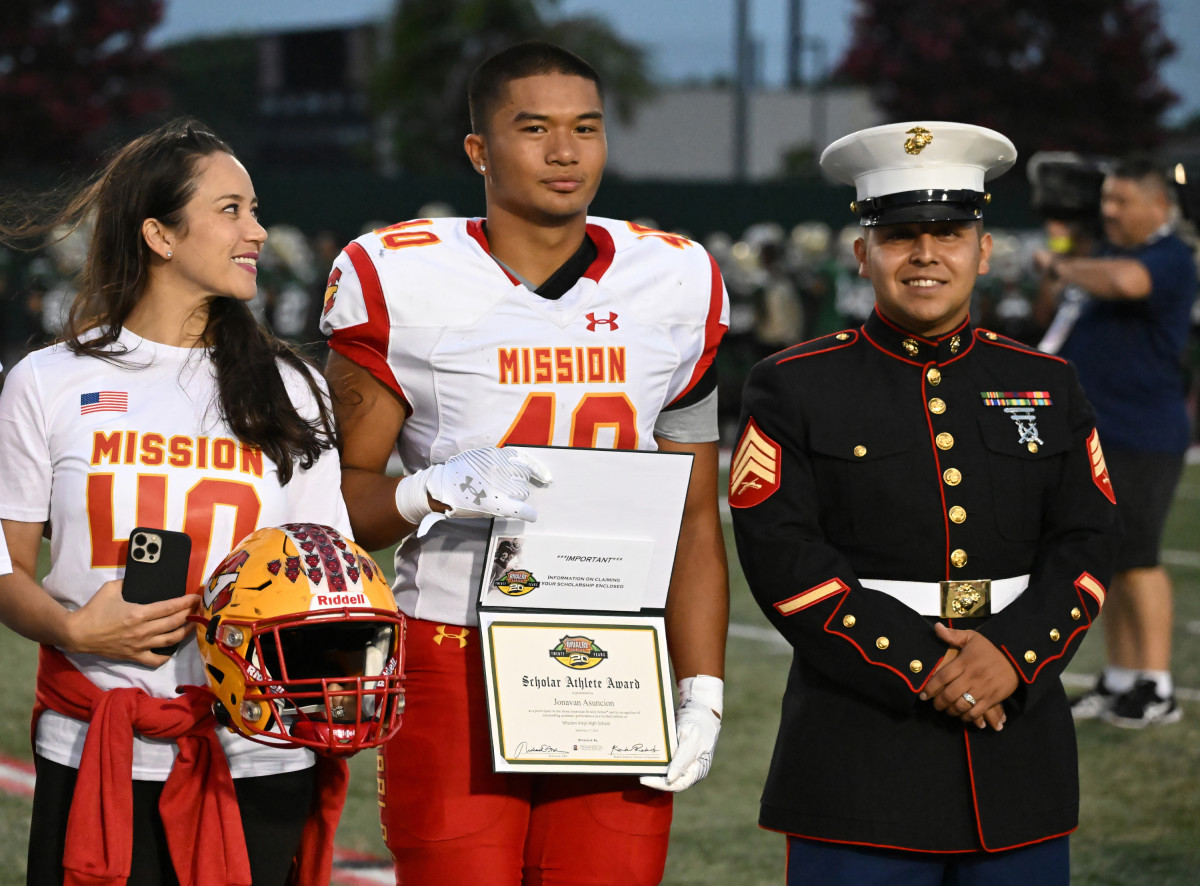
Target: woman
[{"x": 166, "y": 406}]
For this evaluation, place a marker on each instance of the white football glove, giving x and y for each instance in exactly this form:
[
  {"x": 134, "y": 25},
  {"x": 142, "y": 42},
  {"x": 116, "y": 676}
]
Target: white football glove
[
  {"x": 487, "y": 482},
  {"x": 697, "y": 725}
]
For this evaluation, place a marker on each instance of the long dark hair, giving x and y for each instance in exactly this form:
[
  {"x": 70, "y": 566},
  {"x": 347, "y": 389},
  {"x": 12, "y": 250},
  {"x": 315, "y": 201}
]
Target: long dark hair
[{"x": 154, "y": 176}]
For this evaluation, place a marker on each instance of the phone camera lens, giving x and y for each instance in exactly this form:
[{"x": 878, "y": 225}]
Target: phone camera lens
[
  {"x": 139, "y": 539},
  {"x": 152, "y": 548}
]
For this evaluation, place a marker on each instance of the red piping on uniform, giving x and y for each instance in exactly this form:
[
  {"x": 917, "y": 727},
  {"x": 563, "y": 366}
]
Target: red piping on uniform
[
  {"x": 475, "y": 229},
  {"x": 367, "y": 343},
  {"x": 932, "y": 342},
  {"x": 605, "y": 250},
  {"x": 979, "y": 819},
  {"x": 842, "y": 344},
  {"x": 937, "y": 463},
  {"x": 884, "y": 350},
  {"x": 1080, "y": 591},
  {"x": 1033, "y": 352},
  {"x": 841, "y": 588},
  {"x": 954, "y": 332},
  {"x": 910, "y": 848},
  {"x": 713, "y": 328},
  {"x": 974, "y": 794},
  {"x": 863, "y": 653}
]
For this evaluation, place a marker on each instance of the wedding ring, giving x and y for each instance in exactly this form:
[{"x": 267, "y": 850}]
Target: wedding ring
[{"x": 970, "y": 698}]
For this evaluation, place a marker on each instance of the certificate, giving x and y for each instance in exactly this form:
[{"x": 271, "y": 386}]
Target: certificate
[
  {"x": 571, "y": 616},
  {"x": 588, "y": 694}
]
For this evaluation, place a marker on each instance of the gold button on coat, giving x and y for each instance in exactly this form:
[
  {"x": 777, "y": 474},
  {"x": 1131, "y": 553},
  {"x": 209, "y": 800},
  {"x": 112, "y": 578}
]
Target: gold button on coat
[
  {"x": 937, "y": 406},
  {"x": 1031, "y": 656},
  {"x": 1054, "y": 634},
  {"x": 944, "y": 441},
  {"x": 991, "y": 336},
  {"x": 915, "y": 666},
  {"x": 842, "y": 336},
  {"x": 958, "y": 557},
  {"x": 1075, "y": 613},
  {"x": 848, "y": 620},
  {"x": 958, "y": 514},
  {"x": 952, "y": 476},
  {"x": 882, "y": 642},
  {"x": 860, "y": 450},
  {"x": 933, "y": 376}
]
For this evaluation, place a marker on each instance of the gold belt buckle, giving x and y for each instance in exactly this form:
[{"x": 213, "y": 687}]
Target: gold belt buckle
[{"x": 966, "y": 599}]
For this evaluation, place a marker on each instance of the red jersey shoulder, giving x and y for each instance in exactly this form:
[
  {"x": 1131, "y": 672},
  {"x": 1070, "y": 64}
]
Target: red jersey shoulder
[
  {"x": 987, "y": 337},
  {"x": 825, "y": 344}
]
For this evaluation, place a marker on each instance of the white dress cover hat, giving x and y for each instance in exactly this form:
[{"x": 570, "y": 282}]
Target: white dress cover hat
[{"x": 919, "y": 171}]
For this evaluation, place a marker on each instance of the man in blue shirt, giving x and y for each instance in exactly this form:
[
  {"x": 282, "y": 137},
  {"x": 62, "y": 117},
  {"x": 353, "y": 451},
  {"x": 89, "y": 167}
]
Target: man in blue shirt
[{"x": 1128, "y": 346}]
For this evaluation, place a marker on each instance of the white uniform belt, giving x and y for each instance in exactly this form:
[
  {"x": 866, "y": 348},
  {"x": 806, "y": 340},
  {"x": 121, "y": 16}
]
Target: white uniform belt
[{"x": 952, "y": 599}]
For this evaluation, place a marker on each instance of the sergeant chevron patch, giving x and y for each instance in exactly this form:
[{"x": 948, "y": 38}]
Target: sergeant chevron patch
[
  {"x": 754, "y": 469},
  {"x": 1099, "y": 468}
]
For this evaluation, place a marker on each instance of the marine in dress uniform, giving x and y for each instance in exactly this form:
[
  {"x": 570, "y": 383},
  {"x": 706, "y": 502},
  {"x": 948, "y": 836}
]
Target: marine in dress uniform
[{"x": 922, "y": 509}]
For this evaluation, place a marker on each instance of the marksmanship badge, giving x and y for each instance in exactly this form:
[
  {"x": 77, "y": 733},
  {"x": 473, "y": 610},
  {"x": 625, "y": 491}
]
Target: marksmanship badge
[{"x": 1019, "y": 406}]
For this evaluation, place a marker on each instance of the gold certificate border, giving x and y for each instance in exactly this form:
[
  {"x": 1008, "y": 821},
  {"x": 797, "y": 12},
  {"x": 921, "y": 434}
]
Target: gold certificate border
[{"x": 597, "y": 765}]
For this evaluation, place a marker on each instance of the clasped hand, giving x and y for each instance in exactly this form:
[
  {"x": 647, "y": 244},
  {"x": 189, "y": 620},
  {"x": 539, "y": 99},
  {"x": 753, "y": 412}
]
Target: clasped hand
[{"x": 971, "y": 666}]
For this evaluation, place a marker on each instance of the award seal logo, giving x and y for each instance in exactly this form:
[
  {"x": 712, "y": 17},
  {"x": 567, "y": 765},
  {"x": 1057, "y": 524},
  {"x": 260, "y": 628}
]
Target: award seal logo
[
  {"x": 516, "y": 582},
  {"x": 578, "y": 653}
]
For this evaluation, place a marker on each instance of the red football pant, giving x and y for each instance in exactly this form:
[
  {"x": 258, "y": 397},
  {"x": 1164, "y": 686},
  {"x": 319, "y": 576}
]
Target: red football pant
[{"x": 450, "y": 821}]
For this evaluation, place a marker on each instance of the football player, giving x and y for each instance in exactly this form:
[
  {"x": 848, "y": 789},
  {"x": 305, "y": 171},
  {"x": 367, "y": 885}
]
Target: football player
[{"x": 453, "y": 337}]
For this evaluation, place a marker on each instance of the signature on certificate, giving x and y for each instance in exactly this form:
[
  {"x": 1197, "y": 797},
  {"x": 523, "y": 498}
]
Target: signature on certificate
[
  {"x": 638, "y": 748},
  {"x": 522, "y": 749}
]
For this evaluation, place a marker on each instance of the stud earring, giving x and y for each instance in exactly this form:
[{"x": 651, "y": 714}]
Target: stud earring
[
  {"x": 482, "y": 167},
  {"x": 169, "y": 254}
]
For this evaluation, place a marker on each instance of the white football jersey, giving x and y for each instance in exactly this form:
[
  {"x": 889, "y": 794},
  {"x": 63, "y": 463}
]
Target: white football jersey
[
  {"x": 98, "y": 448},
  {"x": 480, "y": 360}
]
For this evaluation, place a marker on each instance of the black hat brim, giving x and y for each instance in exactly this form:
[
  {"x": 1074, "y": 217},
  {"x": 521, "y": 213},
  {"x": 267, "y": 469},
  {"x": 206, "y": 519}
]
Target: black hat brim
[{"x": 921, "y": 206}]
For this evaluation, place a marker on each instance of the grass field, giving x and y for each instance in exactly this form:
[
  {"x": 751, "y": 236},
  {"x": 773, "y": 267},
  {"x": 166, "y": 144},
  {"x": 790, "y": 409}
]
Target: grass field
[{"x": 1140, "y": 818}]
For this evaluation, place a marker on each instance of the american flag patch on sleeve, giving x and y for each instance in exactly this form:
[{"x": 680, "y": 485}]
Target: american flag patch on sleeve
[{"x": 103, "y": 401}]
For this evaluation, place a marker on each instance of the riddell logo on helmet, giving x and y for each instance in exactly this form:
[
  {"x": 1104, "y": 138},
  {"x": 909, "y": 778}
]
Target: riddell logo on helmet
[{"x": 323, "y": 601}]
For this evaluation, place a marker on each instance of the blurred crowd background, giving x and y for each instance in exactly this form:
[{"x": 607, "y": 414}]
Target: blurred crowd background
[
  {"x": 785, "y": 286},
  {"x": 357, "y": 123}
]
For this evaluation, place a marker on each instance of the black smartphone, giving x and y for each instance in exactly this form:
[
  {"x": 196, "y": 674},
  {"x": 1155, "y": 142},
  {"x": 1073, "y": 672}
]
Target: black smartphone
[{"x": 156, "y": 568}]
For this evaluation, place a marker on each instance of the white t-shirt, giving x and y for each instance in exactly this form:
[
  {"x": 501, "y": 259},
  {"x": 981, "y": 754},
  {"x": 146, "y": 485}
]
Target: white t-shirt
[
  {"x": 98, "y": 448},
  {"x": 480, "y": 360}
]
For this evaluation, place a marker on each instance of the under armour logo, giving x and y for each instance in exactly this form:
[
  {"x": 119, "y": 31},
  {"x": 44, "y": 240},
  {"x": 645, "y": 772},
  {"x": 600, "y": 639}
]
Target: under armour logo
[
  {"x": 443, "y": 634},
  {"x": 465, "y": 486},
  {"x": 611, "y": 322}
]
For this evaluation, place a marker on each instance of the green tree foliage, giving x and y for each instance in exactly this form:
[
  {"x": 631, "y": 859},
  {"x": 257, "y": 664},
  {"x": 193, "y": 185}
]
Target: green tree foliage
[
  {"x": 434, "y": 45},
  {"x": 1050, "y": 74},
  {"x": 70, "y": 68}
]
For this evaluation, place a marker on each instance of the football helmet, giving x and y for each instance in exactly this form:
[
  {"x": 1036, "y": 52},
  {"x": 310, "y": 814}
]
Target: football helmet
[{"x": 302, "y": 642}]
